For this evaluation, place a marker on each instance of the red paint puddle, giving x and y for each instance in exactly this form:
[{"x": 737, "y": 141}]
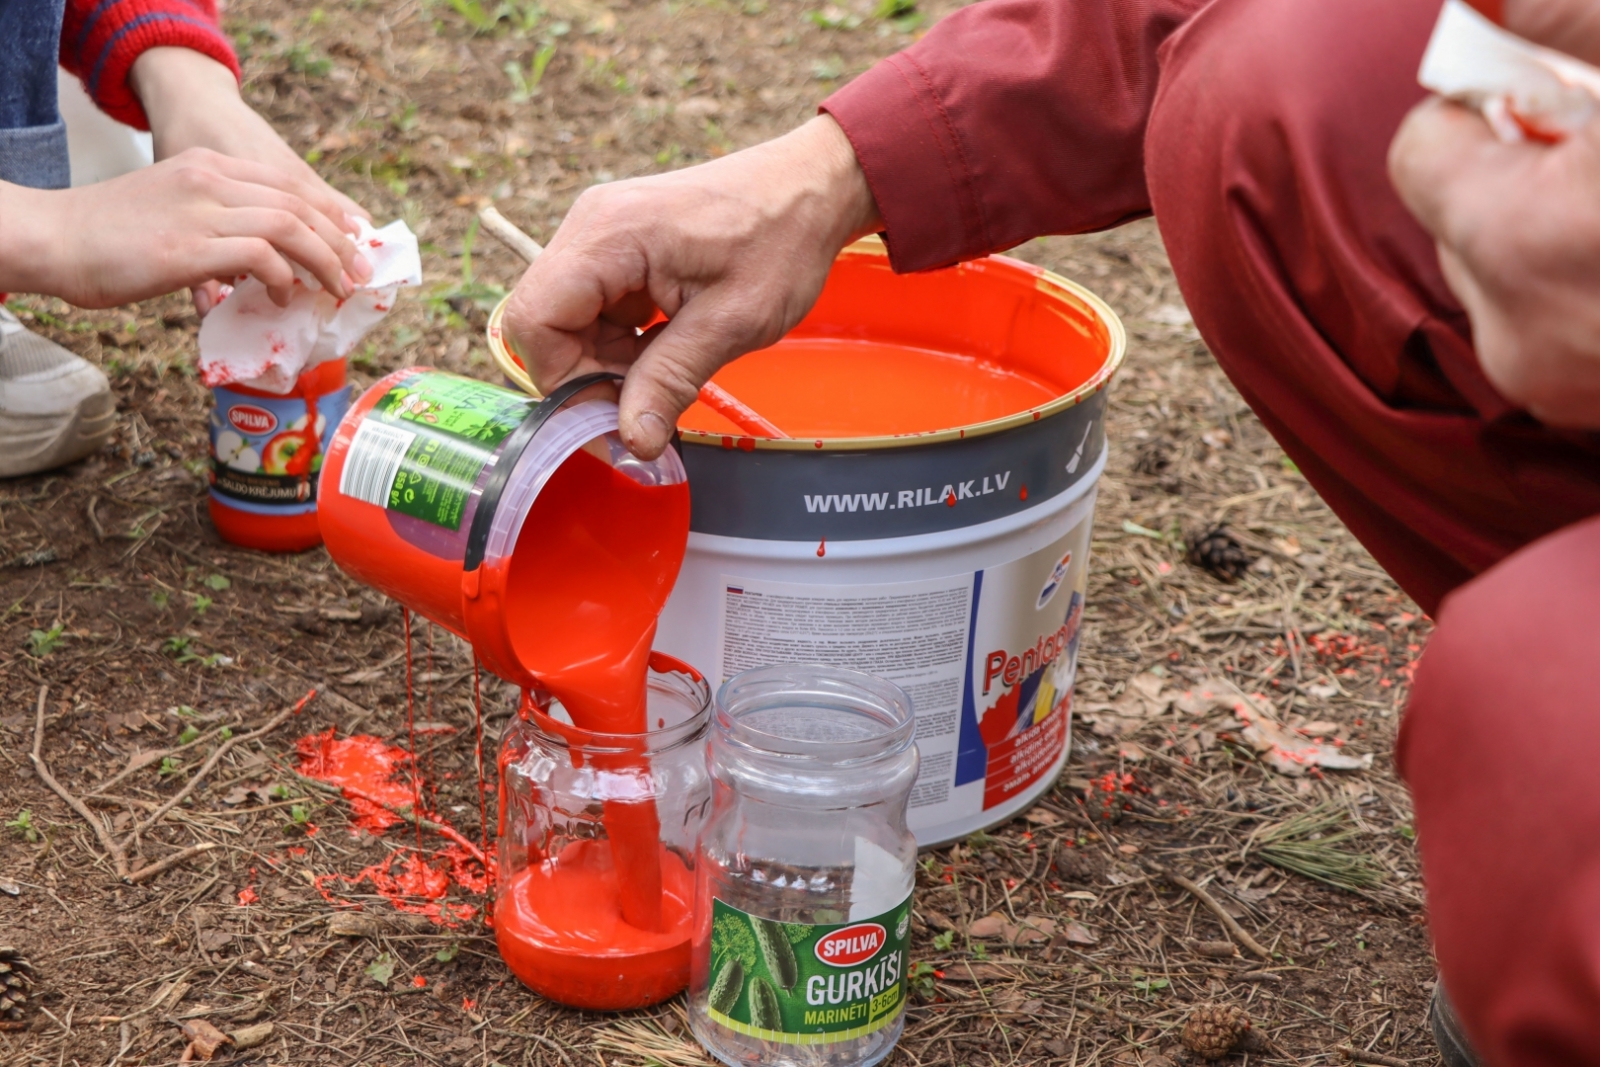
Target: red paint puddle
[
  {"x": 366, "y": 770},
  {"x": 248, "y": 896}
]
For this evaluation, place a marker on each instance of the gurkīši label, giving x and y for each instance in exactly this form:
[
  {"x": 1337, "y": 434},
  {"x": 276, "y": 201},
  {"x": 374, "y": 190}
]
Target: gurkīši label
[
  {"x": 807, "y": 985},
  {"x": 427, "y": 441}
]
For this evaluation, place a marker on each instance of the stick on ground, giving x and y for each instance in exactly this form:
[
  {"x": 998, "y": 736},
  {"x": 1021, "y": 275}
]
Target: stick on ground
[
  {"x": 119, "y": 858},
  {"x": 1235, "y": 931}
]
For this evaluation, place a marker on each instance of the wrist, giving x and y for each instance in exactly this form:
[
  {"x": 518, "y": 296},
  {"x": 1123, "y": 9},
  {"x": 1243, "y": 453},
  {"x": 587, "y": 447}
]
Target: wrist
[
  {"x": 178, "y": 86},
  {"x": 841, "y": 183},
  {"x": 32, "y": 243}
]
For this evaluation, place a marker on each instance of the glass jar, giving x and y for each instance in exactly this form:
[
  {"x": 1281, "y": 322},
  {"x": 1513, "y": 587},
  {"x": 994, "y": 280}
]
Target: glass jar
[
  {"x": 597, "y": 847},
  {"x": 805, "y": 870}
]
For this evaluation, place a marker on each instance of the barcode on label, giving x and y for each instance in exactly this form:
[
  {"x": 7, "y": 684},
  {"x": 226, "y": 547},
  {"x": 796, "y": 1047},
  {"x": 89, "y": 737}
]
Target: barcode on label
[{"x": 376, "y": 452}]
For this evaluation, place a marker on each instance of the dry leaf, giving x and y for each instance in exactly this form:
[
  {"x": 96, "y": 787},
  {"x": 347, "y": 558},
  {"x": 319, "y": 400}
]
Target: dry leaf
[
  {"x": 1040, "y": 817},
  {"x": 1131, "y": 751},
  {"x": 938, "y": 919},
  {"x": 204, "y": 1040},
  {"x": 353, "y": 924},
  {"x": 1216, "y": 950},
  {"x": 251, "y": 1036},
  {"x": 1079, "y": 934},
  {"x": 1031, "y": 931},
  {"x": 987, "y": 927},
  {"x": 1289, "y": 753},
  {"x": 1147, "y": 685}
]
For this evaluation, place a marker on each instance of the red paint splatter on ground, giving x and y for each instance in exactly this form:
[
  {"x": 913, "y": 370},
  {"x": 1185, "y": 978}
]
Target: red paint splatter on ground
[
  {"x": 420, "y": 982},
  {"x": 248, "y": 896},
  {"x": 365, "y": 769},
  {"x": 373, "y": 776}
]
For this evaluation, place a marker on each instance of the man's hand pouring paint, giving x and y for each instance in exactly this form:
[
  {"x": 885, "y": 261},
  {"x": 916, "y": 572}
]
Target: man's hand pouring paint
[{"x": 733, "y": 252}]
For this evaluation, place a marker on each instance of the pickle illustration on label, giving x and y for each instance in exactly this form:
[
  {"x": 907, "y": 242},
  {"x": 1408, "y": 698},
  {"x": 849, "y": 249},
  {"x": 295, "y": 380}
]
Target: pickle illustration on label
[
  {"x": 764, "y": 1011},
  {"x": 776, "y": 950},
  {"x": 807, "y": 984},
  {"x": 729, "y": 984}
]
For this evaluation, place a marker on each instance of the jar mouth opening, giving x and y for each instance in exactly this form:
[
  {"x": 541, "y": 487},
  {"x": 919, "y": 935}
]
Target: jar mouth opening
[
  {"x": 679, "y": 699},
  {"x": 808, "y": 712}
]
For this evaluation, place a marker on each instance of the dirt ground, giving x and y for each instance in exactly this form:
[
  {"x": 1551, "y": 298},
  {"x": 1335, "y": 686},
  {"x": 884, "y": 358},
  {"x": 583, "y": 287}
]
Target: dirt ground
[{"x": 1060, "y": 938}]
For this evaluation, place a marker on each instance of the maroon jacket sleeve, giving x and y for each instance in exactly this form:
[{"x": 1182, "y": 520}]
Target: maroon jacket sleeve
[
  {"x": 100, "y": 39},
  {"x": 1010, "y": 119}
]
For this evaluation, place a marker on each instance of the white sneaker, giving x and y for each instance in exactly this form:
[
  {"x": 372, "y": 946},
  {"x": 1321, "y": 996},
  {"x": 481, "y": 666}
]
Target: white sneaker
[{"x": 55, "y": 407}]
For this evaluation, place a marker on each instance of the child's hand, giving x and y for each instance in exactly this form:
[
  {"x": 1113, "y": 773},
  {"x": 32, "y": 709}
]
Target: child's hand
[
  {"x": 192, "y": 101},
  {"x": 181, "y": 223}
]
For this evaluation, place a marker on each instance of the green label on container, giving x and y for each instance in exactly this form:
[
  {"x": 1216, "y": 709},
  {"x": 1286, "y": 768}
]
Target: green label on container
[
  {"x": 422, "y": 447},
  {"x": 807, "y": 985}
]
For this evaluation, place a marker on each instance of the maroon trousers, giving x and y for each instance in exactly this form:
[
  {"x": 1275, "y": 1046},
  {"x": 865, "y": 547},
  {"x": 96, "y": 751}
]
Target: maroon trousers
[{"x": 1256, "y": 130}]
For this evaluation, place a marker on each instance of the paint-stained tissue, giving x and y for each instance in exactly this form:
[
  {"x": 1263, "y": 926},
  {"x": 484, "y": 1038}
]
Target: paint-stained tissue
[
  {"x": 249, "y": 340},
  {"x": 1525, "y": 92}
]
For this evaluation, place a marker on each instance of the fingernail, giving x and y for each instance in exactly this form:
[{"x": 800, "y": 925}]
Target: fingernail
[
  {"x": 346, "y": 283},
  {"x": 657, "y": 430},
  {"x": 350, "y": 223},
  {"x": 363, "y": 267},
  {"x": 202, "y": 302}
]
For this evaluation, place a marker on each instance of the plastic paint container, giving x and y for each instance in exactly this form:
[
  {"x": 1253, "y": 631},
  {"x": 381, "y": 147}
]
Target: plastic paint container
[
  {"x": 267, "y": 453},
  {"x": 950, "y": 560},
  {"x": 426, "y": 486}
]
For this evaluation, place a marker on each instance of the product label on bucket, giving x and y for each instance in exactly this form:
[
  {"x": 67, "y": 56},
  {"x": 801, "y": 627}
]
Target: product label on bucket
[
  {"x": 266, "y": 452},
  {"x": 987, "y": 657},
  {"x": 423, "y": 446},
  {"x": 807, "y": 985}
]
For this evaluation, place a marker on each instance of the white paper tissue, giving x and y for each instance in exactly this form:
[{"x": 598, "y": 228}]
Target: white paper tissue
[
  {"x": 1524, "y": 91},
  {"x": 249, "y": 340}
]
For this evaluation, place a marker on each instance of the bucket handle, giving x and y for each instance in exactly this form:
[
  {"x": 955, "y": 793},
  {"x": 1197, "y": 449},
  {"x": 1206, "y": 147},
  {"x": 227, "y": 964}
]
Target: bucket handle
[{"x": 516, "y": 444}]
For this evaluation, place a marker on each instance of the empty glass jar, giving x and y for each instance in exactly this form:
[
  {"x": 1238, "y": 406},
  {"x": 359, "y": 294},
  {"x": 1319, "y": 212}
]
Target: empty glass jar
[{"x": 805, "y": 870}]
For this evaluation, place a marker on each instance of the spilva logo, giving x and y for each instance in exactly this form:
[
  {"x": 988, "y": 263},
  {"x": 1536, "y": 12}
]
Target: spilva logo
[
  {"x": 852, "y": 945},
  {"x": 1058, "y": 574},
  {"x": 248, "y": 418}
]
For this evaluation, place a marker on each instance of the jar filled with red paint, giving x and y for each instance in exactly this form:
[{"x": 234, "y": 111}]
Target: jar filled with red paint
[
  {"x": 597, "y": 845},
  {"x": 266, "y": 458}
]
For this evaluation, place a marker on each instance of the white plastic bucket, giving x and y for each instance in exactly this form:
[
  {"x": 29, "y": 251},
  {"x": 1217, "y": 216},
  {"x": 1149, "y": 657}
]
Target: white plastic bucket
[{"x": 851, "y": 553}]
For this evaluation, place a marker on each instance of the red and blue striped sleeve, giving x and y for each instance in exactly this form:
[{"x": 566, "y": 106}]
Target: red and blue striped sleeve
[{"x": 100, "y": 39}]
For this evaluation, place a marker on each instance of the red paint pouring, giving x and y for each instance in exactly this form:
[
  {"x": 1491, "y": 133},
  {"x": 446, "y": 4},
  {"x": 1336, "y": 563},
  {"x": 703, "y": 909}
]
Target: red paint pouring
[{"x": 570, "y": 609}]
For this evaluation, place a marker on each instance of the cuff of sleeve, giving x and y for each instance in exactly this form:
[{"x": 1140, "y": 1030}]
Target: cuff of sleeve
[
  {"x": 108, "y": 55},
  {"x": 913, "y": 160}
]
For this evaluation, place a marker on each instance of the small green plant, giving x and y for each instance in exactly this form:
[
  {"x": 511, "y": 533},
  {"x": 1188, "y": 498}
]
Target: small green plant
[
  {"x": 302, "y": 60},
  {"x": 169, "y": 767},
  {"x": 201, "y": 603},
  {"x": 44, "y": 642},
  {"x": 922, "y": 978},
  {"x": 901, "y": 14},
  {"x": 299, "y": 815},
  {"x": 177, "y": 645},
  {"x": 448, "y": 953},
  {"x": 525, "y": 87},
  {"x": 834, "y": 18},
  {"x": 453, "y": 301},
  {"x": 1150, "y": 986},
  {"x": 225, "y": 733},
  {"x": 943, "y": 941},
  {"x": 217, "y": 583},
  {"x": 279, "y": 792},
  {"x": 189, "y": 733},
  {"x": 980, "y": 951},
  {"x": 23, "y": 825},
  {"x": 381, "y": 969}
]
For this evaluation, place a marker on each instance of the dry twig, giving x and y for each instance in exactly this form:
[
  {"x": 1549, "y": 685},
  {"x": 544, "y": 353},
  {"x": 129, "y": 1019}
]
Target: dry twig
[
  {"x": 119, "y": 858},
  {"x": 1235, "y": 931}
]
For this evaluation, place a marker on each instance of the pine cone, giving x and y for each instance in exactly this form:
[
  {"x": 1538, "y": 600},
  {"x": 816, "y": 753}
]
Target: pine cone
[
  {"x": 1213, "y": 1030},
  {"x": 16, "y": 982},
  {"x": 1216, "y": 552}
]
